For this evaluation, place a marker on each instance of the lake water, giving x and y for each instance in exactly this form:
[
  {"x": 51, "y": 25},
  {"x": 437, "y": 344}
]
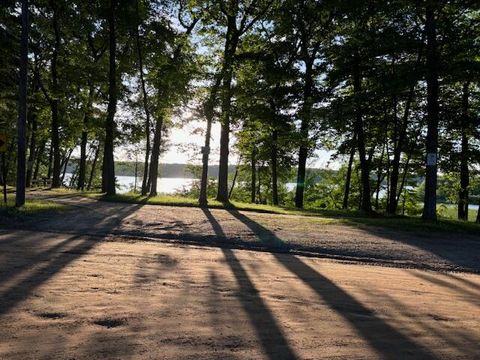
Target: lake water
[{"x": 164, "y": 185}]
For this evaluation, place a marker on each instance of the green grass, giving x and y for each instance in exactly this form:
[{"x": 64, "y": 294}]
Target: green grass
[
  {"x": 32, "y": 208},
  {"x": 449, "y": 211},
  {"x": 171, "y": 200},
  {"x": 351, "y": 218}
]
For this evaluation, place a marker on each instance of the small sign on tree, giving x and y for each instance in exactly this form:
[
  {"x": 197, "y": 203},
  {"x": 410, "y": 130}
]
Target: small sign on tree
[{"x": 431, "y": 159}]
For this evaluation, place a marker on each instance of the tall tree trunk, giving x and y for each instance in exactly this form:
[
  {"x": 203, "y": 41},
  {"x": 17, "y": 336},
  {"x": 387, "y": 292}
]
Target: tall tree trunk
[
  {"x": 209, "y": 113},
  {"x": 32, "y": 150},
  {"x": 227, "y": 71},
  {"x": 157, "y": 141},
  {"x": 253, "y": 164},
  {"x": 348, "y": 178},
  {"x": 464, "y": 171},
  {"x": 304, "y": 132},
  {"x": 108, "y": 173},
  {"x": 222, "y": 192},
  {"x": 22, "y": 109},
  {"x": 83, "y": 142},
  {"x": 145, "y": 104},
  {"x": 430, "y": 201},
  {"x": 366, "y": 204},
  {"x": 54, "y": 102}
]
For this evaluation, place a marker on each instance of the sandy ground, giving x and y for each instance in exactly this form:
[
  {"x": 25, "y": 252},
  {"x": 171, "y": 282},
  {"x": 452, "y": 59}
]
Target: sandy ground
[
  {"x": 119, "y": 281},
  {"x": 86, "y": 297}
]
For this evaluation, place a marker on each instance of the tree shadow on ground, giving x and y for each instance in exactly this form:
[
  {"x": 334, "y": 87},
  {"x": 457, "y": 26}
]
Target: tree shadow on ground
[
  {"x": 382, "y": 337},
  {"x": 35, "y": 268},
  {"x": 458, "y": 250},
  {"x": 274, "y": 343}
]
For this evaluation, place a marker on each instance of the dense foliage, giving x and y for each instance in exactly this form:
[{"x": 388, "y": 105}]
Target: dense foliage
[{"x": 390, "y": 88}]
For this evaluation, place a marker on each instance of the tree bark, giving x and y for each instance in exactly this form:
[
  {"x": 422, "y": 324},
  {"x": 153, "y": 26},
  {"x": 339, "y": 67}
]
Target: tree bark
[
  {"x": 157, "y": 141},
  {"x": 54, "y": 102},
  {"x": 464, "y": 157},
  {"x": 430, "y": 201},
  {"x": 108, "y": 173},
  {"x": 22, "y": 109},
  {"x": 366, "y": 204},
  {"x": 304, "y": 129},
  {"x": 231, "y": 43}
]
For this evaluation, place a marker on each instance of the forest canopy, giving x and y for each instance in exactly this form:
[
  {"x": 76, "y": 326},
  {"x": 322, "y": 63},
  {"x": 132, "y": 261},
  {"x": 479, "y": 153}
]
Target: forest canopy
[{"x": 390, "y": 88}]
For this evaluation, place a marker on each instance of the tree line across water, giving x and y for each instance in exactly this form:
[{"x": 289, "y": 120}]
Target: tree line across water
[{"x": 391, "y": 87}]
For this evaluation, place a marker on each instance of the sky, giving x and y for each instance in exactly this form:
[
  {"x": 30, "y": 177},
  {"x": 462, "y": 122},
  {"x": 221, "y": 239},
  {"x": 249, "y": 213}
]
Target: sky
[{"x": 186, "y": 144}]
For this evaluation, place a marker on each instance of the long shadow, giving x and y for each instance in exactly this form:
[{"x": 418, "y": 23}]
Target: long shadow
[
  {"x": 465, "y": 343},
  {"x": 384, "y": 338},
  {"x": 474, "y": 295},
  {"x": 46, "y": 264},
  {"x": 268, "y": 331}
]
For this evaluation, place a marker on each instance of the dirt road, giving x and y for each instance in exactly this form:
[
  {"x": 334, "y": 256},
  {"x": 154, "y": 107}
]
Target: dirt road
[
  {"x": 85, "y": 297},
  {"x": 281, "y": 233},
  {"x": 102, "y": 282}
]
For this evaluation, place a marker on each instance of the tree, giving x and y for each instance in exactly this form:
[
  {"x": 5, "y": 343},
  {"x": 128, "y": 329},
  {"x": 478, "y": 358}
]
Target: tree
[
  {"x": 430, "y": 201},
  {"x": 22, "y": 109},
  {"x": 108, "y": 169}
]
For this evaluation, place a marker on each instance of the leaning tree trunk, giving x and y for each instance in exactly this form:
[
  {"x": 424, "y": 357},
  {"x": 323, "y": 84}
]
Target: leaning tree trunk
[
  {"x": 464, "y": 171},
  {"x": 366, "y": 204},
  {"x": 108, "y": 171},
  {"x": 430, "y": 201}
]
